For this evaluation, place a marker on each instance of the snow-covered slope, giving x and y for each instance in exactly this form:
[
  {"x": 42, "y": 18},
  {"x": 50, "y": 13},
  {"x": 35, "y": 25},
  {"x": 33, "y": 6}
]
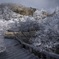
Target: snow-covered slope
[{"x": 47, "y": 35}]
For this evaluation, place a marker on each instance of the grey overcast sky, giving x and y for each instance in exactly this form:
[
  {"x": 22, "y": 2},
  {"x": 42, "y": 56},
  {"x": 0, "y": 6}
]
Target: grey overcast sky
[{"x": 35, "y": 3}]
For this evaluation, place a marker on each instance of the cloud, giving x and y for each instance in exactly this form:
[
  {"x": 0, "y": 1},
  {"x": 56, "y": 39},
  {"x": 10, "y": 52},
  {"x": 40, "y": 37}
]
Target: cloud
[{"x": 35, "y": 3}]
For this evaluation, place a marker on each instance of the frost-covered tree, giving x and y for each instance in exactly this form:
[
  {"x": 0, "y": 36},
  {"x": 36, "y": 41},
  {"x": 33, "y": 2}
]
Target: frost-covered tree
[
  {"x": 29, "y": 25},
  {"x": 28, "y": 29},
  {"x": 48, "y": 35}
]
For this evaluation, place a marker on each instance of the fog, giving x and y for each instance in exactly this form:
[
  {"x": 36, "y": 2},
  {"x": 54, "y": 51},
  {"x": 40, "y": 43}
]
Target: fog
[{"x": 39, "y": 4}]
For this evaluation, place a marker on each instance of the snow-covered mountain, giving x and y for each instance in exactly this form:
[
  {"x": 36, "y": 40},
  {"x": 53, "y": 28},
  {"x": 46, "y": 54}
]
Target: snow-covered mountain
[{"x": 48, "y": 33}]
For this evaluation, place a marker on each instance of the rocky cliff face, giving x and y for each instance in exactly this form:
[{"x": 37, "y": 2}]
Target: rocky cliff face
[
  {"x": 19, "y": 9},
  {"x": 23, "y": 10}
]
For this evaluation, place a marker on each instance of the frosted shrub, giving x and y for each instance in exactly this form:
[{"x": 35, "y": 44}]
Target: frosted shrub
[
  {"x": 28, "y": 28},
  {"x": 40, "y": 14},
  {"x": 49, "y": 32},
  {"x": 29, "y": 25}
]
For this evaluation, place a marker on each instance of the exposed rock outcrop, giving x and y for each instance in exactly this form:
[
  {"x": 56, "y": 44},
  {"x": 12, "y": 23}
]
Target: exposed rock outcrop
[{"x": 19, "y": 8}]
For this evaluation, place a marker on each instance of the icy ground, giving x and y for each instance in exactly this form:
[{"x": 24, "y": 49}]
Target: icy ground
[{"x": 48, "y": 35}]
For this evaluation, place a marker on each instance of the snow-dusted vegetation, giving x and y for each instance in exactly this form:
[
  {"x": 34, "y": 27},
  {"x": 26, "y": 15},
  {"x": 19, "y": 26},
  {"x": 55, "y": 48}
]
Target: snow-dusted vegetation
[{"x": 45, "y": 25}]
